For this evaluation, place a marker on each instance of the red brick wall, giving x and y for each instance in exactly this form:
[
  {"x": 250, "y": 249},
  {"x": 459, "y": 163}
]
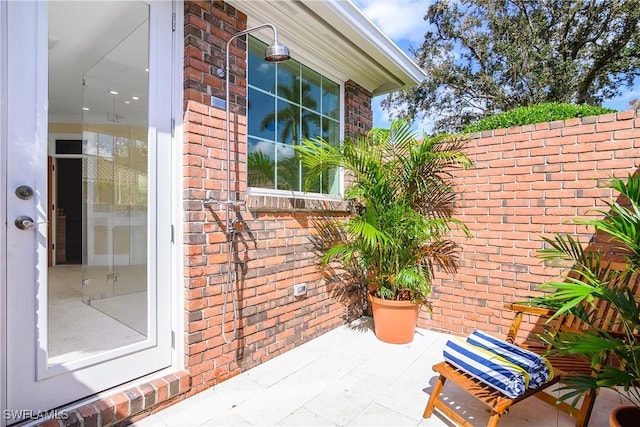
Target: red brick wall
[
  {"x": 275, "y": 246},
  {"x": 207, "y": 28},
  {"x": 358, "y": 116},
  {"x": 526, "y": 182}
]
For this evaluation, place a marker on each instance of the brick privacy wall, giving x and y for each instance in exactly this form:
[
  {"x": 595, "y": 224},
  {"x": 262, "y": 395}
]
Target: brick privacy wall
[
  {"x": 525, "y": 183},
  {"x": 275, "y": 246}
]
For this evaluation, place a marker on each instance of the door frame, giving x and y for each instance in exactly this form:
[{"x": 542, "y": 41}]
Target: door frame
[
  {"x": 53, "y": 186},
  {"x": 173, "y": 182},
  {"x": 3, "y": 207},
  {"x": 32, "y": 133}
]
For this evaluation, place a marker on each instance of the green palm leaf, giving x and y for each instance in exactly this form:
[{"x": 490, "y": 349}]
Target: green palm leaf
[
  {"x": 590, "y": 280},
  {"x": 403, "y": 200}
]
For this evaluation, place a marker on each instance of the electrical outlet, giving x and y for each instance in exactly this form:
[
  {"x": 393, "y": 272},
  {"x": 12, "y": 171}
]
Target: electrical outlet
[{"x": 300, "y": 289}]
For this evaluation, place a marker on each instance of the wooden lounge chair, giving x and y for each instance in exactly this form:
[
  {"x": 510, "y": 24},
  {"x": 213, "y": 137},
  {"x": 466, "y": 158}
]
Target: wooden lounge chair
[{"x": 498, "y": 403}]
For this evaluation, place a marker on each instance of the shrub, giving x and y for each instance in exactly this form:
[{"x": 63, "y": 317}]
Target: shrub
[{"x": 546, "y": 112}]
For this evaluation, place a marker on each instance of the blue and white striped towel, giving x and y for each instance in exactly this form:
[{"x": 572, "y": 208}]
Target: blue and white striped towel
[
  {"x": 487, "y": 367},
  {"x": 539, "y": 369}
]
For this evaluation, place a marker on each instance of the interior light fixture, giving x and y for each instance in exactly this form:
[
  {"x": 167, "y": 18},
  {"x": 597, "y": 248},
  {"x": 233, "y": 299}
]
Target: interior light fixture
[
  {"x": 113, "y": 91},
  {"x": 135, "y": 98},
  {"x": 85, "y": 108}
]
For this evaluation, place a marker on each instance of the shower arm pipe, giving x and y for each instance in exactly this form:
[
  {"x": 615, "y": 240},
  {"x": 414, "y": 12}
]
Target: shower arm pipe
[
  {"x": 274, "y": 53},
  {"x": 228, "y": 100}
]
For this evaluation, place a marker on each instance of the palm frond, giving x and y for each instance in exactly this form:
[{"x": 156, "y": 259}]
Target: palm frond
[
  {"x": 362, "y": 231},
  {"x": 403, "y": 199},
  {"x": 592, "y": 283}
]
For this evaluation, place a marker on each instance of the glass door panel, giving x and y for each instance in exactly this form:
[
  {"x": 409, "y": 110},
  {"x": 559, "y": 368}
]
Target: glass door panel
[
  {"x": 109, "y": 278},
  {"x": 115, "y": 166}
]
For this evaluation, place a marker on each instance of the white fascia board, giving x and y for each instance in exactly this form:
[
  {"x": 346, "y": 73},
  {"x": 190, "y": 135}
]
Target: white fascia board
[
  {"x": 334, "y": 37},
  {"x": 361, "y": 27}
]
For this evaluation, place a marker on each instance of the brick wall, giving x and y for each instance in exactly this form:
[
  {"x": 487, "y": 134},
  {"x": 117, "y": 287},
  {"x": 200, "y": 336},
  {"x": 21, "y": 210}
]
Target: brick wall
[
  {"x": 526, "y": 182},
  {"x": 275, "y": 245},
  {"x": 358, "y": 116}
]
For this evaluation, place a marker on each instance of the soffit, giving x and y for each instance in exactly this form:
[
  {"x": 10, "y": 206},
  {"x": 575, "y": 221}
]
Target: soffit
[{"x": 335, "y": 38}]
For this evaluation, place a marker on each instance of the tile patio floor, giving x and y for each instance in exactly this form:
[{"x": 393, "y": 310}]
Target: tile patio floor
[{"x": 349, "y": 378}]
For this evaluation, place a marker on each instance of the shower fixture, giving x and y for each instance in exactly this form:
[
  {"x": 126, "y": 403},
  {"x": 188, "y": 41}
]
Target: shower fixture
[{"x": 275, "y": 52}]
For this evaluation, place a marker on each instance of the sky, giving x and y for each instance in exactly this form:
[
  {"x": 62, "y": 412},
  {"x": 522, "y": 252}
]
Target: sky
[{"x": 403, "y": 22}]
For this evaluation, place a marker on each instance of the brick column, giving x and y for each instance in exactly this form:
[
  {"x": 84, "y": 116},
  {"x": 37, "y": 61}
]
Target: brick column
[{"x": 358, "y": 115}]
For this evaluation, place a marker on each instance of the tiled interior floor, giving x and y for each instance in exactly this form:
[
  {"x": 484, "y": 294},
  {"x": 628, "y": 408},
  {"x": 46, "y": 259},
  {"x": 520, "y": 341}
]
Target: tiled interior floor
[
  {"x": 348, "y": 377},
  {"x": 78, "y": 330}
]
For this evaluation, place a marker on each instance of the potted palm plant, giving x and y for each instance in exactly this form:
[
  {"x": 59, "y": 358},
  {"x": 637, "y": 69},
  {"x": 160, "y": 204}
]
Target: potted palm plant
[
  {"x": 616, "y": 358},
  {"x": 399, "y": 231}
]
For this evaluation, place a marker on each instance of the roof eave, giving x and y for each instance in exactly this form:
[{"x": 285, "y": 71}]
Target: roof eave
[
  {"x": 361, "y": 27},
  {"x": 334, "y": 36}
]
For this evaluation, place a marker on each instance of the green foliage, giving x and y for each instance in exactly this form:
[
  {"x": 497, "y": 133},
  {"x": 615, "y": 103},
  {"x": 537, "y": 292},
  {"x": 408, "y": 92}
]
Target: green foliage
[
  {"x": 539, "y": 113},
  {"x": 484, "y": 57},
  {"x": 404, "y": 202},
  {"x": 590, "y": 280},
  {"x": 262, "y": 172},
  {"x": 289, "y": 117}
]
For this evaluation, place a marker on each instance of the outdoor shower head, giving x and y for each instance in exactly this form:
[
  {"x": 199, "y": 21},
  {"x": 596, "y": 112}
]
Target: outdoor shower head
[{"x": 276, "y": 52}]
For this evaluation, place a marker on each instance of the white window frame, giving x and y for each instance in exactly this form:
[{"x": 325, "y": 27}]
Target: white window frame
[{"x": 258, "y": 191}]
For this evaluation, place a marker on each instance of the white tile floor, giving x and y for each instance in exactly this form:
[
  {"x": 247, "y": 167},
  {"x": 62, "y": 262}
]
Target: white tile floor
[
  {"x": 348, "y": 377},
  {"x": 73, "y": 324}
]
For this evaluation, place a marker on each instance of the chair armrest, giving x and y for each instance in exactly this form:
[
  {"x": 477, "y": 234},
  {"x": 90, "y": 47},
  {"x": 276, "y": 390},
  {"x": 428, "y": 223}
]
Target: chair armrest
[
  {"x": 523, "y": 308},
  {"x": 520, "y": 310}
]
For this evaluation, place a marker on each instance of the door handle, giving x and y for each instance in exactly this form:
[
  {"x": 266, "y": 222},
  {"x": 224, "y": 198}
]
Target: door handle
[{"x": 24, "y": 222}]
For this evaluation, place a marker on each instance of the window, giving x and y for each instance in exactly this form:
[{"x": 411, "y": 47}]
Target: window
[{"x": 287, "y": 102}]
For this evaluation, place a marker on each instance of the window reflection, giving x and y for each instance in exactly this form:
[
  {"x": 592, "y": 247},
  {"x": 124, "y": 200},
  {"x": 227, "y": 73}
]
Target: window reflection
[
  {"x": 288, "y": 169},
  {"x": 313, "y": 93},
  {"x": 289, "y": 81},
  {"x": 261, "y": 161},
  {"x": 330, "y": 99},
  {"x": 288, "y": 122},
  {"x": 310, "y": 124},
  {"x": 263, "y": 73},
  {"x": 262, "y": 113},
  {"x": 287, "y": 102}
]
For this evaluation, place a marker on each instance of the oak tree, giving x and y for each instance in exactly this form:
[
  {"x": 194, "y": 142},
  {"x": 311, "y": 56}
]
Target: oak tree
[{"x": 483, "y": 57}]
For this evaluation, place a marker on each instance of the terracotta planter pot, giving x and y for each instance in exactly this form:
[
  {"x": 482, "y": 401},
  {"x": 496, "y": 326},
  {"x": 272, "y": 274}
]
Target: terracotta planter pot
[
  {"x": 394, "y": 321},
  {"x": 624, "y": 416}
]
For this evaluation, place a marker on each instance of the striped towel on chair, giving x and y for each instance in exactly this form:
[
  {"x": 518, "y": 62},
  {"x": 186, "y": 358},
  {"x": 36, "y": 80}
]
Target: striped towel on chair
[
  {"x": 491, "y": 369},
  {"x": 538, "y": 368}
]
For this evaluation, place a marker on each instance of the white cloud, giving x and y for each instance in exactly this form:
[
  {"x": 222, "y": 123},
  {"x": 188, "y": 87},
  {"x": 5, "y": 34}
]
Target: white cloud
[
  {"x": 403, "y": 22},
  {"x": 269, "y": 149},
  {"x": 399, "y": 20}
]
